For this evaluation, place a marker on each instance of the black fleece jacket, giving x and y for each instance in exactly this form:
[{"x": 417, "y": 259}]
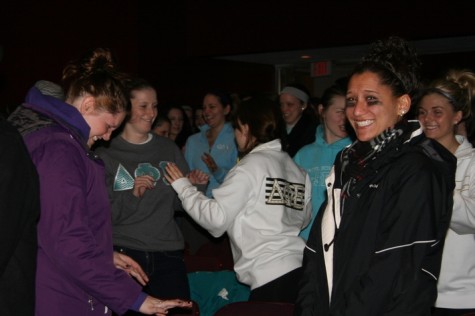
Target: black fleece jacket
[{"x": 388, "y": 246}]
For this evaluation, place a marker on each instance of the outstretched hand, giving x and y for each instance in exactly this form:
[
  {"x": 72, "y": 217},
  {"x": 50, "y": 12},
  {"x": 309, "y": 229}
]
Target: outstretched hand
[
  {"x": 173, "y": 173},
  {"x": 154, "y": 306}
]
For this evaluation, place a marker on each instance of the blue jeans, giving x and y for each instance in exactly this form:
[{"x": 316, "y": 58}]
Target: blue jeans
[{"x": 165, "y": 269}]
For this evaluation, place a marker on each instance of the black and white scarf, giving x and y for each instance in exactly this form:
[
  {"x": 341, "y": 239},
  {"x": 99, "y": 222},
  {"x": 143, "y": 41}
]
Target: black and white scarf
[{"x": 356, "y": 158}]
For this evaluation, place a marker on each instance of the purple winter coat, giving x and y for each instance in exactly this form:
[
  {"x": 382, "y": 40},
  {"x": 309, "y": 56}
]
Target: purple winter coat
[{"x": 75, "y": 270}]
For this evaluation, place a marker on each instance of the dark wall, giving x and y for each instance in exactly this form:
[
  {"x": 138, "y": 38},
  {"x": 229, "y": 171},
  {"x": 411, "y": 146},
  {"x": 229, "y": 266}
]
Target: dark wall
[
  {"x": 434, "y": 66},
  {"x": 239, "y": 27},
  {"x": 167, "y": 57},
  {"x": 172, "y": 43},
  {"x": 149, "y": 39},
  {"x": 39, "y": 37}
]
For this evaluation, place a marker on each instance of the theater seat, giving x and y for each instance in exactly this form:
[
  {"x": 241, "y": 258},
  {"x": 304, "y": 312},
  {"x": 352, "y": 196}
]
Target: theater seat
[
  {"x": 256, "y": 309},
  {"x": 212, "y": 256}
]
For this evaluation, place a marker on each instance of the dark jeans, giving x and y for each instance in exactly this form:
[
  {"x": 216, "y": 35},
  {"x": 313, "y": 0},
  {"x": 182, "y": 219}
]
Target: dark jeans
[
  {"x": 166, "y": 271},
  {"x": 282, "y": 289}
]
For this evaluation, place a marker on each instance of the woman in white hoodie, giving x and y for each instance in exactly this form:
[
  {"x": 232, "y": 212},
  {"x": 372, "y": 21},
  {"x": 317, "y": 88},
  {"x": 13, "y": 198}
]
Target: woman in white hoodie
[
  {"x": 442, "y": 106},
  {"x": 262, "y": 204}
]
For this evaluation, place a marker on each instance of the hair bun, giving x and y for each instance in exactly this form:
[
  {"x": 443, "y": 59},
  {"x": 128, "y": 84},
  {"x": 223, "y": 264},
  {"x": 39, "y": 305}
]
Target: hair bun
[
  {"x": 100, "y": 60},
  {"x": 395, "y": 55},
  {"x": 97, "y": 74}
]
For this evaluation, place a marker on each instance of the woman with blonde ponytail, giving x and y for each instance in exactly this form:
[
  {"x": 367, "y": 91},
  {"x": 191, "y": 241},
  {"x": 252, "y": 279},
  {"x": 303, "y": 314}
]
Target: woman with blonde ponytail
[{"x": 443, "y": 106}]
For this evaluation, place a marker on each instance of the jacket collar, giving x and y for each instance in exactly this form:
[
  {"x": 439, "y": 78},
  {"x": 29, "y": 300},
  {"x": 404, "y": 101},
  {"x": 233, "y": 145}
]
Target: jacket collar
[
  {"x": 272, "y": 145},
  {"x": 62, "y": 113}
]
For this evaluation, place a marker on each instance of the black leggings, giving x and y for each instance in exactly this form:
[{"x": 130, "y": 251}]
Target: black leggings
[
  {"x": 282, "y": 289},
  {"x": 451, "y": 312}
]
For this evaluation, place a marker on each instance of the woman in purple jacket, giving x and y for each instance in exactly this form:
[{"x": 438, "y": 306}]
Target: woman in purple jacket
[{"x": 77, "y": 272}]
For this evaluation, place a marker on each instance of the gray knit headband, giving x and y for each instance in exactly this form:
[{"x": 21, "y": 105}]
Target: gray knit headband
[
  {"x": 299, "y": 94},
  {"x": 446, "y": 95}
]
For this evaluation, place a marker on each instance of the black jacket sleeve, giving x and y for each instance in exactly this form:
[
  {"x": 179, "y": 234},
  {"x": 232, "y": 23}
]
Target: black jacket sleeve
[{"x": 19, "y": 212}]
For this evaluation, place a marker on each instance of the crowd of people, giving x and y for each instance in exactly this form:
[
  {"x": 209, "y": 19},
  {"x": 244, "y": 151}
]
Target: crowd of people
[{"x": 360, "y": 201}]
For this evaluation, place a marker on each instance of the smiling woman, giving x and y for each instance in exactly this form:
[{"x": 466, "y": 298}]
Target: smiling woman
[
  {"x": 443, "y": 106},
  {"x": 376, "y": 246},
  {"x": 318, "y": 157},
  {"x": 371, "y": 107},
  {"x": 300, "y": 121},
  {"x": 143, "y": 202},
  {"x": 213, "y": 149}
]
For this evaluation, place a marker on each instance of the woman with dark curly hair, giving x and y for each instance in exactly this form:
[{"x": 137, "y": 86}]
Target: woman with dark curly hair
[{"x": 376, "y": 246}]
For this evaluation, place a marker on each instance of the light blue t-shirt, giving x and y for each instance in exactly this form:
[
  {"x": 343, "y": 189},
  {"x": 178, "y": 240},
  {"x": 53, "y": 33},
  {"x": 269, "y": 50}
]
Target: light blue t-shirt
[
  {"x": 224, "y": 153},
  {"x": 317, "y": 159}
]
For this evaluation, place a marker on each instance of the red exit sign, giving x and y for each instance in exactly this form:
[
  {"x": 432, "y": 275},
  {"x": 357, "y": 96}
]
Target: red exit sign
[{"x": 321, "y": 68}]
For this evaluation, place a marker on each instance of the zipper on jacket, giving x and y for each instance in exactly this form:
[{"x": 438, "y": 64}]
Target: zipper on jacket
[{"x": 91, "y": 302}]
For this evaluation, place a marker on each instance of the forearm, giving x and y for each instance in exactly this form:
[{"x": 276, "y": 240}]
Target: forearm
[{"x": 205, "y": 211}]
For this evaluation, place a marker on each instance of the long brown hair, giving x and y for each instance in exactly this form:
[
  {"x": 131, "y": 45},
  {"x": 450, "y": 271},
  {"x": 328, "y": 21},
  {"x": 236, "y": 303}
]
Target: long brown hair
[{"x": 262, "y": 115}]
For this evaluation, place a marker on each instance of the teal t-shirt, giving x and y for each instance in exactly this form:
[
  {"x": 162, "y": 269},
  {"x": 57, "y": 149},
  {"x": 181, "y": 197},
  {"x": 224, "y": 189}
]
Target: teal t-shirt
[
  {"x": 213, "y": 290},
  {"x": 317, "y": 159}
]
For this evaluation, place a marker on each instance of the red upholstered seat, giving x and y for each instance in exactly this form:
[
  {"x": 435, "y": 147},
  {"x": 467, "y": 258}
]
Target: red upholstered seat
[
  {"x": 212, "y": 256},
  {"x": 256, "y": 309}
]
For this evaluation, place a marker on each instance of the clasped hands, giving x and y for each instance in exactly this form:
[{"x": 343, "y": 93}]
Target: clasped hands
[{"x": 195, "y": 176}]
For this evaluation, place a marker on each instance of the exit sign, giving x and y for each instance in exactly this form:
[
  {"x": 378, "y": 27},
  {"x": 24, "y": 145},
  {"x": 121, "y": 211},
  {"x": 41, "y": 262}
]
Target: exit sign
[{"x": 321, "y": 68}]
